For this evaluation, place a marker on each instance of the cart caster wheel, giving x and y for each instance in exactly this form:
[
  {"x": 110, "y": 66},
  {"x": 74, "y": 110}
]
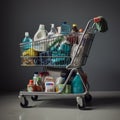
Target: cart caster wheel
[
  {"x": 81, "y": 102},
  {"x": 88, "y": 98},
  {"x": 24, "y": 102},
  {"x": 34, "y": 98}
]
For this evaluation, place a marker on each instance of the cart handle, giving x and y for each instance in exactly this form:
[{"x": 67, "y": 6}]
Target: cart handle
[{"x": 97, "y": 19}]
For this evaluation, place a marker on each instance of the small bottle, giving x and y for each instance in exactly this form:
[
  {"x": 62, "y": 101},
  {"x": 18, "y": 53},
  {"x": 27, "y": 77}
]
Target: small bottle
[
  {"x": 74, "y": 28},
  {"x": 27, "y": 41},
  {"x": 77, "y": 84},
  {"x": 41, "y": 33},
  {"x": 37, "y": 82},
  {"x": 35, "y": 78},
  {"x": 65, "y": 28},
  {"x": 52, "y": 32},
  {"x": 30, "y": 86}
]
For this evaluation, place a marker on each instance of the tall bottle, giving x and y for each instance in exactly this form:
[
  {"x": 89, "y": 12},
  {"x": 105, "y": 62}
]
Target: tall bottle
[
  {"x": 65, "y": 28},
  {"x": 52, "y": 32},
  {"x": 37, "y": 82},
  {"x": 27, "y": 41},
  {"x": 77, "y": 84},
  {"x": 41, "y": 33},
  {"x": 74, "y": 28},
  {"x": 36, "y": 78}
]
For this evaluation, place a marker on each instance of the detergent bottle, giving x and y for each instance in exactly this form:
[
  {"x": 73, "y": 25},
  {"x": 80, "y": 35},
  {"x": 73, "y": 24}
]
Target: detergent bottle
[
  {"x": 77, "y": 84},
  {"x": 27, "y": 41},
  {"x": 74, "y": 28},
  {"x": 52, "y": 32},
  {"x": 41, "y": 33},
  {"x": 65, "y": 28}
]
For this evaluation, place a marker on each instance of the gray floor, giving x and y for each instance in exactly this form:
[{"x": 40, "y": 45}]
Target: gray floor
[{"x": 105, "y": 106}]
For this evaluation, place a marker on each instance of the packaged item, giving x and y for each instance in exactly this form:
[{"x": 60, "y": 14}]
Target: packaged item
[
  {"x": 37, "y": 79},
  {"x": 40, "y": 36},
  {"x": 77, "y": 84},
  {"x": 59, "y": 30},
  {"x": 49, "y": 79},
  {"x": 30, "y": 52},
  {"x": 30, "y": 86},
  {"x": 49, "y": 87},
  {"x": 41, "y": 33},
  {"x": 66, "y": 90},
  {"x": 74, "y": 28},
  {"x": 27, "y": 41},
  {"x": 42, "y": 76},
  {"x": 52, "y": 32},
  {"x": 61, "y": 53},
  {"x": 65, "y": 28},
  {"x": 27, "y": 61},
  {"x": 59, "y": 80}
]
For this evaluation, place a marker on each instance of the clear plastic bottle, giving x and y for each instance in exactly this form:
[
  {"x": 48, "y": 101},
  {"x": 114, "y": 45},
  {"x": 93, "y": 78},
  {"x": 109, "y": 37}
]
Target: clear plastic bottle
[
  {"x": 77, "y": 84},
  {"x": 36, "y": 78},
  {"x": 52, "y": 32},
  {"x": 65, "y": 28},
  {"x": 27, "y": 41},
  {"x": 41, "y": 33}
]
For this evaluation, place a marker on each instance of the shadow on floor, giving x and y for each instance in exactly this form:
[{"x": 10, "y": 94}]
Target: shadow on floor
[{"x": 98, "y": 102}]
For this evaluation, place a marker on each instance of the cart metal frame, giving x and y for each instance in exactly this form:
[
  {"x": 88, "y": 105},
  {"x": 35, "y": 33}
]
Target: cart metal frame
[{"x": 79, "y": 59}]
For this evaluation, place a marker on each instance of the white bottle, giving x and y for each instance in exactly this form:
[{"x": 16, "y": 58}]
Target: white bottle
[
  {"x": 52, "y": 32},
  {"x": 35, "y": 78},
  {"x": 41, "y": 33}
]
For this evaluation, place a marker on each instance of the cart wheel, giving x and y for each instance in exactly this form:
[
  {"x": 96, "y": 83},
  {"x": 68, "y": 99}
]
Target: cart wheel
[
  {"x": 88, "y": 97},
  {"x": 80, "y": 102},
  {"x": 24, "y": 102},
  {"x": 34, "y": 98}
]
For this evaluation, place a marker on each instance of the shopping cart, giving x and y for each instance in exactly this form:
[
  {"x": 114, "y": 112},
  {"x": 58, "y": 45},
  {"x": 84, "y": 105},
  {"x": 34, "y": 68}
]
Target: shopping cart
[{"x": 71, "y": 58}]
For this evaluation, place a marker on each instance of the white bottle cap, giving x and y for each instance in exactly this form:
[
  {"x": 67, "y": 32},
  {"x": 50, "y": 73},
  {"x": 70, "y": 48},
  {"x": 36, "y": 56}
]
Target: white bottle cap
[
  {"x": 42, "y": 27},
  {"x": 26, "y": 34}
]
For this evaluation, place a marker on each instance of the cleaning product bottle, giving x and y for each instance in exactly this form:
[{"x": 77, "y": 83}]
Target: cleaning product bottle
[
  {"x": 30, "y": 86},
  {"x": 27, "y": 41},
  {"x": 65, "y": 28},
  {"x": 77, "y": 84},
  {"x": 41, "y": 33},
  {"x": 74, "y": 28},
  {"x": 35, "y": 78},
  {"x": 37, "y": 82},
  {"x": 52, "y": 32}
]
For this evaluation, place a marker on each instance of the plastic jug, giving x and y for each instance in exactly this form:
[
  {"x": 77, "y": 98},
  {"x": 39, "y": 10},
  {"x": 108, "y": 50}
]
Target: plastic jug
[
  {"x": 65, "y": 28},
  {"x": 41, "y": 33},
  {"x": 77, "y": 84},
  {"x": 27, "y": 41}
]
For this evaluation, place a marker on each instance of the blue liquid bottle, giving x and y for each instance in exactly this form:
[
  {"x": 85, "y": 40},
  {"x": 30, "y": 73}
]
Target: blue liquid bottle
[
  {"x": 27, "y": 41},
  {"x": 65, "y": 28},
  {"x": 77, "y": 84}
]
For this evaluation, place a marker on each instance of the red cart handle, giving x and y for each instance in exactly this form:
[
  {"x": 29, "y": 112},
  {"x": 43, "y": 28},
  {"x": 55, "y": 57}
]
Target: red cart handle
[{"x": 97, "y": 19}]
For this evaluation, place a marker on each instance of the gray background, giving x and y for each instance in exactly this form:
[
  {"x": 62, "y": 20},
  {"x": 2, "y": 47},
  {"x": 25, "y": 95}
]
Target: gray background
[{"x": 19, "y": 16}]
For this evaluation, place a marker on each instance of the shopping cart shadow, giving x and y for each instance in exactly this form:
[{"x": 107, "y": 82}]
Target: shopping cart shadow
[
  {"x": 102, "y": 101},
  {"x": 59, "y": 103}
]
